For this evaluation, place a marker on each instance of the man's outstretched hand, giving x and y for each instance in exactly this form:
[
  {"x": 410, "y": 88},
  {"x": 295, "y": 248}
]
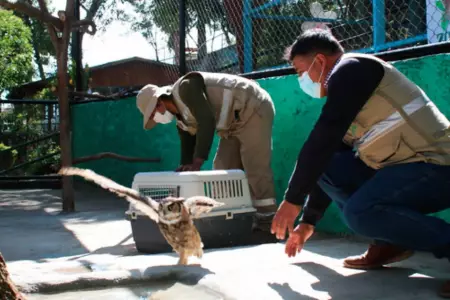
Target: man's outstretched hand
[
  {"x": 297, "y": 239},
  {"x": 284, "y": 219}
]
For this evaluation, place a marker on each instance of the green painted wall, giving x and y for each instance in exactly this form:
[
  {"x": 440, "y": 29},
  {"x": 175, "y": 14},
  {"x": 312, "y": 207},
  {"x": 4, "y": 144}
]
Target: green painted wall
[{"x": 116, "y": 126}]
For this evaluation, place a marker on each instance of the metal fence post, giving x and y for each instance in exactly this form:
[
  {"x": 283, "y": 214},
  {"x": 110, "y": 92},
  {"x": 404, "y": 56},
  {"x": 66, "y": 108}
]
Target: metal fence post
[
  {"x": 182, "y": 42},
  {"x": 379, "y": 23},
  {"x": 248, "y": 36}
]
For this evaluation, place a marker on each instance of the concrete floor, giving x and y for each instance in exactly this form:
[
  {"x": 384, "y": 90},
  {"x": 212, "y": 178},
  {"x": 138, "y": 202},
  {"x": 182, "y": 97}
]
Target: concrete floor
[{"x": 91, "y": 254}]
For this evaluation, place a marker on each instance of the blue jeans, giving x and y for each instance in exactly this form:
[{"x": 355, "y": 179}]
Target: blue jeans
[{"x": 391, "y": 205}]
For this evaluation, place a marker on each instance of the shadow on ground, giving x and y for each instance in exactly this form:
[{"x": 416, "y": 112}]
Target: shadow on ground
[
  {"x": 164, "y": 282},
  {"x": 286, "y": 292},
  {"x": 33, "y": 220},
  {"x": 120, "y": 249},
  {"x": 176, "y": 282},
  {"x": 375, "y": 284}
]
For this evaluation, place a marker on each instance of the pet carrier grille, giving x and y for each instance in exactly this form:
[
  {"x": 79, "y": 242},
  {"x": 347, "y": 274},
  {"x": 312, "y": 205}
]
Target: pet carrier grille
[
  {"x": 160, "y": 192},
  {"x": 223, "y": 189}
]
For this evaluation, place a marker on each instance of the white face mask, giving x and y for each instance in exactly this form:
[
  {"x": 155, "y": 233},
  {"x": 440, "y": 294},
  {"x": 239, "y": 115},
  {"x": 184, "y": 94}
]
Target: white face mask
[
  {"x": 308, "y": 86},
  {"x": 165, "y": 118}
]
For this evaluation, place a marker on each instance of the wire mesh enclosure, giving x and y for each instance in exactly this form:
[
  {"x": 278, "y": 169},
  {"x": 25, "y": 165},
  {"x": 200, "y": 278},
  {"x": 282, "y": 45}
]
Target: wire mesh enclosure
[{"x": 241, "y": 36}]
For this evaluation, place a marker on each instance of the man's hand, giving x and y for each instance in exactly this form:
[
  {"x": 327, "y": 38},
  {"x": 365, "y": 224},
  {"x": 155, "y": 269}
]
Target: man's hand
[
  {"x": 297, "y": 239},
  {"x": 195, "y": 166},
  {"x": 284, "y": 219}
]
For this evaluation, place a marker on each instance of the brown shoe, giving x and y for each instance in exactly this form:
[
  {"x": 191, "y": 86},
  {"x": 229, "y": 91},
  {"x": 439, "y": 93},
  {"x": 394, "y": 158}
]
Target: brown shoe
[
  {"x": 377, "y": 256},
  {"x": 444, "y": 292}
]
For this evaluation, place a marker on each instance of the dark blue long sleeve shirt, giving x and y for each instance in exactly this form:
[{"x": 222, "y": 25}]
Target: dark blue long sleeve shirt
[{"x": 350, "y": 85}]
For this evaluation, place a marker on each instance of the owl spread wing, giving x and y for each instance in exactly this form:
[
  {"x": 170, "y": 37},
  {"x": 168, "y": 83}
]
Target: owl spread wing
[
  {"x": 143, "y": 203},
  {"x": 198, "y": 205}
]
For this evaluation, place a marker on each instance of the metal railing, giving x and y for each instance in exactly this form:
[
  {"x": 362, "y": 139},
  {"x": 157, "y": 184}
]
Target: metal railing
[{"x": 14, "y": 172}]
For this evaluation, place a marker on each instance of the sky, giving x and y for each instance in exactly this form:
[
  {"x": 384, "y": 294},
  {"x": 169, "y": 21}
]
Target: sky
[{"x": 120, "y": 42}]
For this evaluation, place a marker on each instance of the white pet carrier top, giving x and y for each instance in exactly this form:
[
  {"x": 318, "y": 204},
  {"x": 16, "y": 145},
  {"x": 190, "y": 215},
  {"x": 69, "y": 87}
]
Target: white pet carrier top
[{"x": 227, "y": 186}]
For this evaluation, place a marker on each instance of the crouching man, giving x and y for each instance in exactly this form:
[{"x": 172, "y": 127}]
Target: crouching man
[
  {"x": 241, "y": 113},
  {"x": 380, "y": 151}
]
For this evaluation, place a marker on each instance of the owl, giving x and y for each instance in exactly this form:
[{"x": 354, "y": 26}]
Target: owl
[{"x": 173, "y": 215}]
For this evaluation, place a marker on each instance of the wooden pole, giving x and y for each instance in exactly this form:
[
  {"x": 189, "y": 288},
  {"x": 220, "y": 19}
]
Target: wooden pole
[{"x": 65, "y": 142}]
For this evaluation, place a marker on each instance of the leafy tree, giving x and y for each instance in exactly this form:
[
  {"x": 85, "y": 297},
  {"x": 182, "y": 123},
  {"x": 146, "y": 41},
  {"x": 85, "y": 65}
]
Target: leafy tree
[
  {"x": 60, "y": 30},
  {"x": 42, "y": 44},
  {"x": 16, "y": 55}
]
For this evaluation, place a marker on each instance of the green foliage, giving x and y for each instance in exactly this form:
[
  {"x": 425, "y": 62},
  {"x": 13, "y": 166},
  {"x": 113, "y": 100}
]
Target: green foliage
[
  {"x": 42, "y": 44},
  {"x": 16, "y": 54},
  {"x": 73, "y": 76},
  {"x": 14, "y": 152},
  {"x": 46, "y": 93},
  {"x": 8, "y": 157},
  {"x": 21, "y": 124},
  {"x": 45, "y": 166}
]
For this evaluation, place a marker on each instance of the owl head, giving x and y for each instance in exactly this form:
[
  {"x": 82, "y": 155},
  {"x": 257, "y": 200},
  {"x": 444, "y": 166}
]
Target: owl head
[{"x": 171, "y": 209}]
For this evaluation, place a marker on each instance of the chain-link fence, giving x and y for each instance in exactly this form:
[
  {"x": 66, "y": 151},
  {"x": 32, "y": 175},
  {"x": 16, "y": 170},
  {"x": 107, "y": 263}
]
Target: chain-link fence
[
  {"x": 232, "y": 36},
  {"x": 239, "y": 36}
]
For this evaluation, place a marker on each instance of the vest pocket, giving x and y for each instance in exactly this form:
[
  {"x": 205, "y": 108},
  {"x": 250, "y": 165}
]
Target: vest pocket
[{"x": 381, "y": 154}]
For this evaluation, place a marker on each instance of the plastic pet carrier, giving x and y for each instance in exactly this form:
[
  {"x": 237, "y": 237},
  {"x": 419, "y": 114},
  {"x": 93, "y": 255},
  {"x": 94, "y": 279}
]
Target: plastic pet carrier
[{"x": 227, "y": 225}]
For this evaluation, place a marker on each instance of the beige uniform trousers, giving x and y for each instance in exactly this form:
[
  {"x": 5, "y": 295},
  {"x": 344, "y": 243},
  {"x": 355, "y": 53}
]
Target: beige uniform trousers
[{"x": 250, "y": 149}]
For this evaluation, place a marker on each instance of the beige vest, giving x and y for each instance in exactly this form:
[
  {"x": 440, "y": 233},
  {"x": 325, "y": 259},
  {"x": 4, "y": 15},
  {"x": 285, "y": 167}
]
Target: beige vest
[
  {"x": 226, "y": 94},
  {"x": 398, "y": 124}
]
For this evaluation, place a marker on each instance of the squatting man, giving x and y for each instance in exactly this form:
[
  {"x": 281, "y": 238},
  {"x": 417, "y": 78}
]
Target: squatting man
[
  {"x": 380, "y": 150},
  {"x": 241, "y": 113}
]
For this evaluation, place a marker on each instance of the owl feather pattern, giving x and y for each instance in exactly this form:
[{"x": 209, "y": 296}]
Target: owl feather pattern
[{"x": 174, "y": 216}]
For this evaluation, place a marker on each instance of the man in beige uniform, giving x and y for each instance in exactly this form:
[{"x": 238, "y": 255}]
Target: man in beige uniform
[{"x": 241, "y": 113}]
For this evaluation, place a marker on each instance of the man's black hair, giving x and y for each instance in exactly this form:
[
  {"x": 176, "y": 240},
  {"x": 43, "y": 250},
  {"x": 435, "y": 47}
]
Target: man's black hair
[{"x": 314, "y": 41}]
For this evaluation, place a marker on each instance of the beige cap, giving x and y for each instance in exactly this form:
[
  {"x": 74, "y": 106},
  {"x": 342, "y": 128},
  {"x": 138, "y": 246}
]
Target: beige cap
[{"x": 146, "y": 101}]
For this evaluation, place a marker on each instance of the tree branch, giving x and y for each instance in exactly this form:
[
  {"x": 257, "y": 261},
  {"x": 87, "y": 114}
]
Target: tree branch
[
  {"x": 42, "y": 15},
  {"x": 50, "y": 28},
  {"x": 69, "y": 19},
  {"x": 99, "y": 96},
  {"x": 83, "y": 7},
  {"x": 84, "y": 26},
  {"x": 93, "y": 9},
  {"x": 43, "y": 6},
  {"x": 113, "y": 155}
]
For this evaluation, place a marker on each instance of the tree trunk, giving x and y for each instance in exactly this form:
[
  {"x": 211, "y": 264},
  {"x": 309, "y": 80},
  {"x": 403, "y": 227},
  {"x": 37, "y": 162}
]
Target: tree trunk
[
  {"x": 64, "y": 126},
  {"x": 8, "y": 290},
  {"x": 81, "y": 81}
]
